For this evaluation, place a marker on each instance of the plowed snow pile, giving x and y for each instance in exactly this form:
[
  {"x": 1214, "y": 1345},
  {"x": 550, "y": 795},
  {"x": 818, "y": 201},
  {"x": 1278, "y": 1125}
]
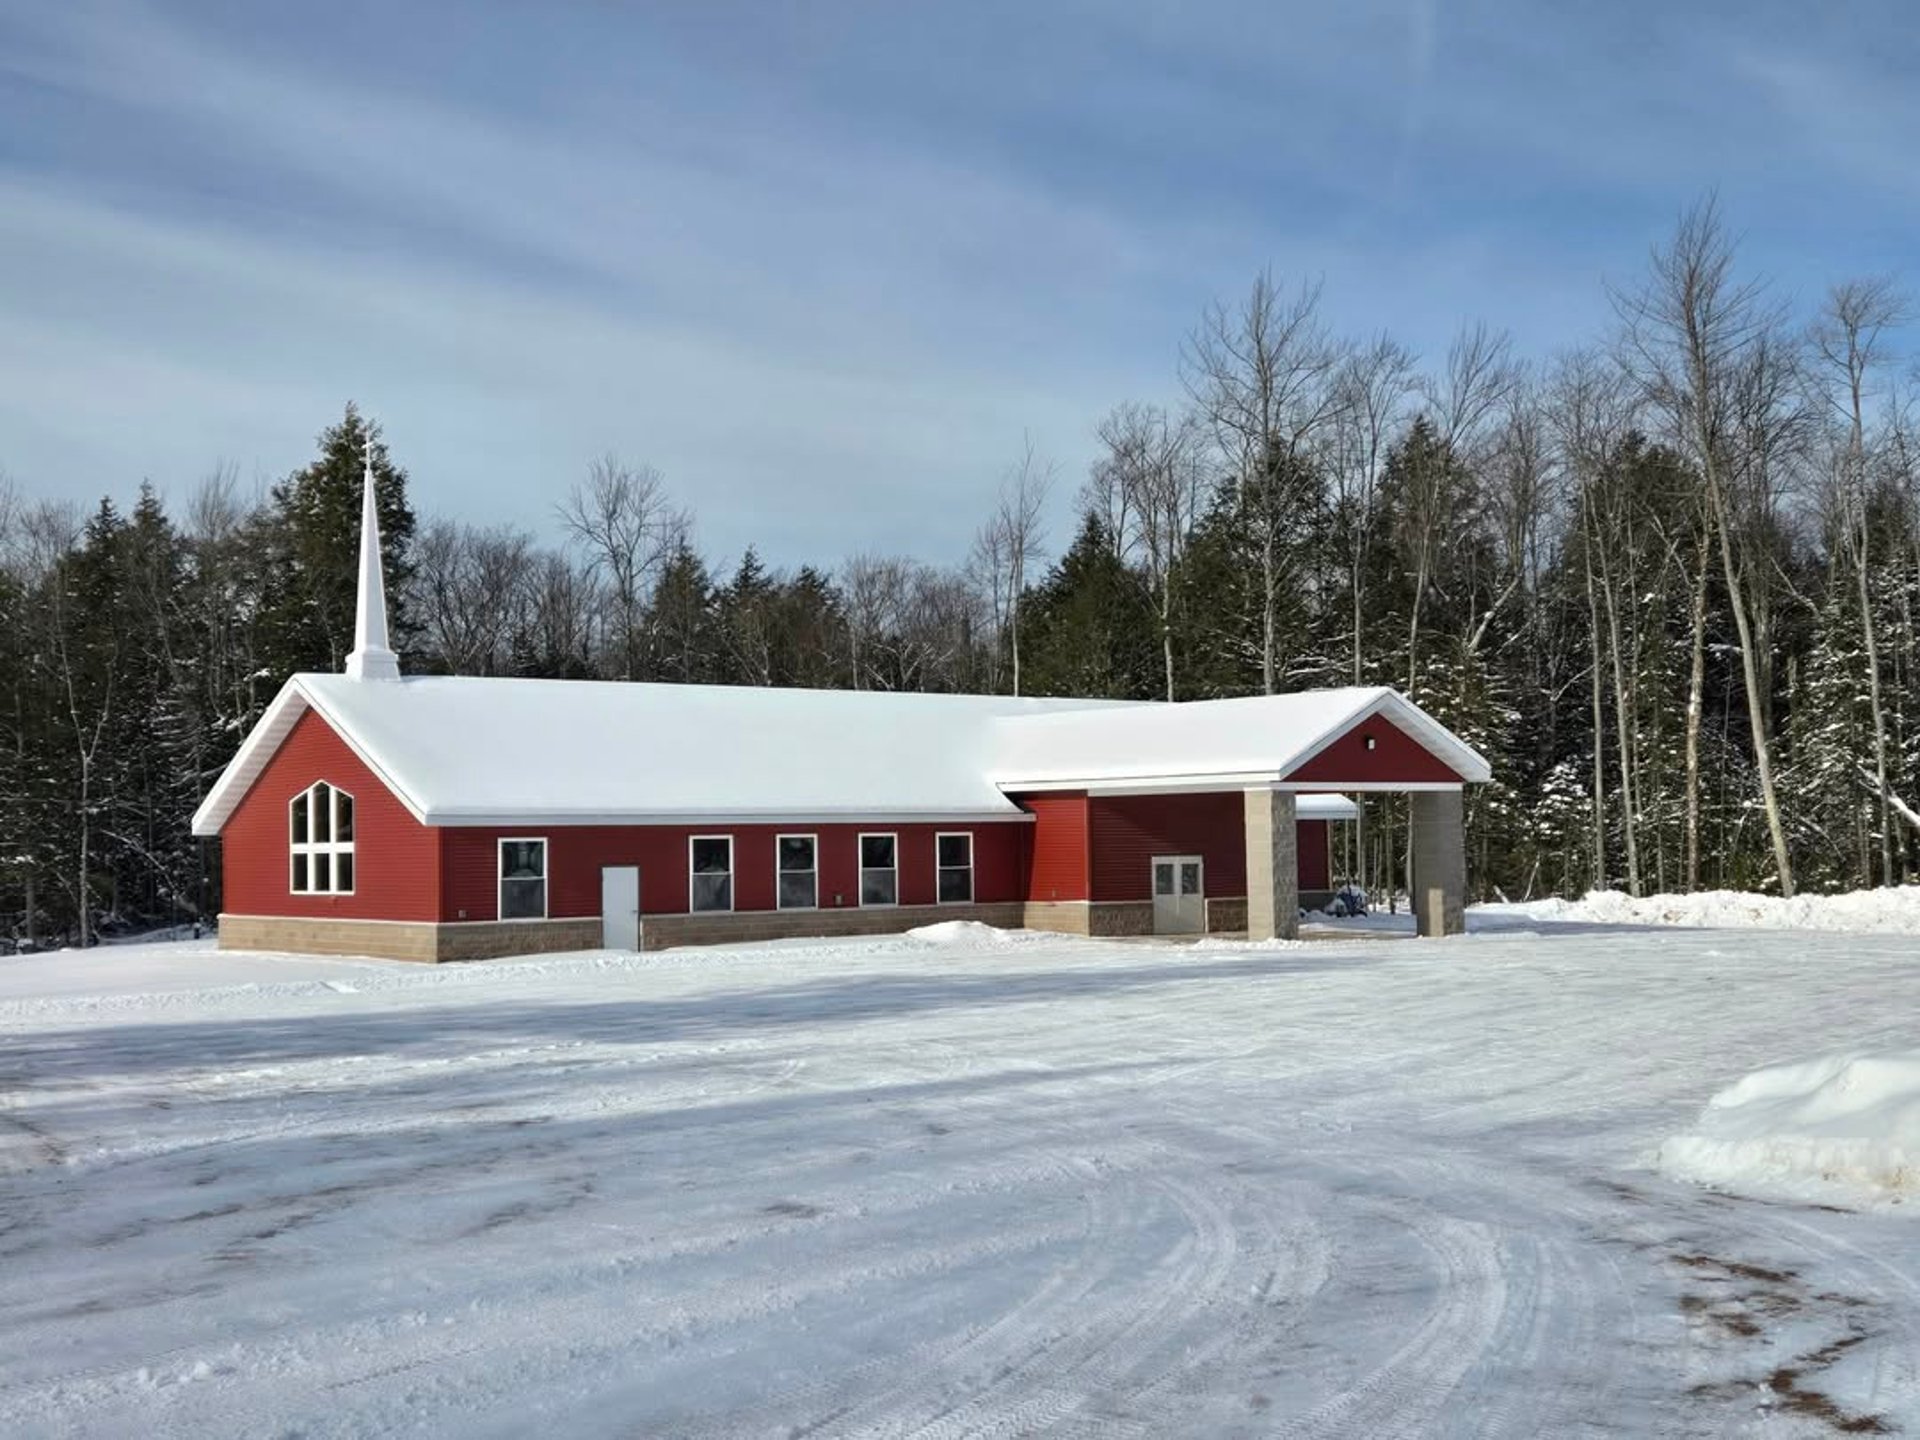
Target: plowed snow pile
[
  {"x": 1894, "y": 911},
  {"x": 1841, "y": 1128}
]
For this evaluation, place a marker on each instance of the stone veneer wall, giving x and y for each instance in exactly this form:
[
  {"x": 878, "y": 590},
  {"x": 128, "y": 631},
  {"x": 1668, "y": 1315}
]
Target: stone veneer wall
[
  {"x": 1227, "y": 914},
  {"x": 657, "y": 932},
  {"x": 490, "y": 939},
  {"x": 1058, "y": 917},
  {"x": 421, "y": 941}
]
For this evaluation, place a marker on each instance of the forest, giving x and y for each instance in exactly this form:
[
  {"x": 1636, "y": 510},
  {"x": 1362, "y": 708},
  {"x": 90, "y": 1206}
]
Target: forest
[{"x": 1666, "y": 580}]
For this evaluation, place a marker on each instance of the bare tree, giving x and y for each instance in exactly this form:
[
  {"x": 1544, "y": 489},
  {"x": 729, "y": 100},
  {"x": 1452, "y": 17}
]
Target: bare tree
[
  {"x": 1695, "y": 333},
  {"x": 1374, "y": 384},
  {"x": 1477, "y": 380},
  {"x": 1848, "y": 337},
  {"x": 621, "y": 519},
  {"x": 470, "y": 589},
  {"x": 1152, "y": 462},
  {"x": 1009, "y": 545},
  {"x": 1265, "y": 376}
]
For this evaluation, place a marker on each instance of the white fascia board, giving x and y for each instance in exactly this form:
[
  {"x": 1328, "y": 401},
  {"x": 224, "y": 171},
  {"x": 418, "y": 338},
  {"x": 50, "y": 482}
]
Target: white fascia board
[
  {"x": 276, "y": 722},
  {"x": 1375, "y": 787},
  {"x": 1202, "y": 784},
  {"x": 263, "y": 742},
  {"x": 454, "y": 818}
]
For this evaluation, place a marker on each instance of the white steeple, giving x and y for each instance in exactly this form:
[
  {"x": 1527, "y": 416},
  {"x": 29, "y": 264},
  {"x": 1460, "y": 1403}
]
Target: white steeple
[{"x": 371, "y": 659}]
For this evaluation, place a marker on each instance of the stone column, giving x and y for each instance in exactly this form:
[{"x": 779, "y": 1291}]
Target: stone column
[
  {"x": 1273, "y": 866},
  {"x": 1439, "y": 862}
]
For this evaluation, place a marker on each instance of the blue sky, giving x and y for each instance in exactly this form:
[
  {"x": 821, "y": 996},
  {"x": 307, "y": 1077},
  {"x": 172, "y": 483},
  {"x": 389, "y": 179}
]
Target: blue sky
[{"x": 825, "y": 265}]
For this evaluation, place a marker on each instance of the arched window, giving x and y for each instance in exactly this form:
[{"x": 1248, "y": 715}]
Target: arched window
[{"x": 320, "y": 835}]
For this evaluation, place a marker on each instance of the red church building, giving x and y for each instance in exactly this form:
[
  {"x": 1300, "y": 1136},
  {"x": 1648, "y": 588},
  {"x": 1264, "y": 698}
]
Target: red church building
[{"x": 447, "y": 817}]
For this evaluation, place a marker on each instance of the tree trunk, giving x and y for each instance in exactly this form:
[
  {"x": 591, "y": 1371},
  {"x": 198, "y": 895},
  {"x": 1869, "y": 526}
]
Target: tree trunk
[
  {"x": 1696, "y": 706},
  {"x": 1599, "y": 731},
  {"x": 1623, "y": 735},
  {"x": 1756, "y": 702}
]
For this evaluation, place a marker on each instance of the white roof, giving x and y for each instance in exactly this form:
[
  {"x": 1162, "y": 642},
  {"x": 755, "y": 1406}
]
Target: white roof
[
  {"x": 466, "y": 750},
  {"x": 1254, "y": 740}
]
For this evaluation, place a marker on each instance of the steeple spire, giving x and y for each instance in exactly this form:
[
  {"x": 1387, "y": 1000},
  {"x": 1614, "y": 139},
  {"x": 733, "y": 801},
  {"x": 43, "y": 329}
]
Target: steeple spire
[{"x": 371, "y": 659}]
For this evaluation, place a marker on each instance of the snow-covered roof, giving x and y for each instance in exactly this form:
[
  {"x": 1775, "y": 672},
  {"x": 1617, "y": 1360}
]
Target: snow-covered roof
[
  {"x": 465, "y": 750},
  {"x": 1258, "y": 739}
]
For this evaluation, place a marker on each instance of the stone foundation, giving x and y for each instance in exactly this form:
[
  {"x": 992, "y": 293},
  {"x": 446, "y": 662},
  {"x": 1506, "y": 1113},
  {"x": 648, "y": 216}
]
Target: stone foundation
[
  {"x": 430, "y": 943},
  {"x": 1227, "y": 915},
  {"x": 658, "y": 932},
  {"x": 421, "y": 941}
]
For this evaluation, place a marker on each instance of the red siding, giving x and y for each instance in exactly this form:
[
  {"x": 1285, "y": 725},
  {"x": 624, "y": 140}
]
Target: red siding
[
  {"x": 1315, "y": 844},
  {"x": 575, "y": 854},
  {"x": 396, "y": 859},
  {"x": 1397, "y": 758},
  {"x": 1056, "y": 858},
  {"x": 1129, "y": 830}
]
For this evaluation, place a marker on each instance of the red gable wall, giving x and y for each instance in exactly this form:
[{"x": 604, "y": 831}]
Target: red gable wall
[
  {"x": 1397, "y": 758},
  {"x": 396, "y": 858}
]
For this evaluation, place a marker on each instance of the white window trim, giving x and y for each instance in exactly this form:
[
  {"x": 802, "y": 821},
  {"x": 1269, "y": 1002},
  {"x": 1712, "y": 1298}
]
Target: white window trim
[
  {"x": 732, "y": 874},
  {"x": 813, "y": 840},
  {"x": 500, "y": 875},
  {"x": 939, "y": 835},
  {"x": 860, "y": 868},
  {"x": 334, "y": 846}
]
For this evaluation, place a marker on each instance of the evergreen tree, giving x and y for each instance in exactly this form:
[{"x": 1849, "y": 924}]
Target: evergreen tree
[{"x": 310, "y": 537}]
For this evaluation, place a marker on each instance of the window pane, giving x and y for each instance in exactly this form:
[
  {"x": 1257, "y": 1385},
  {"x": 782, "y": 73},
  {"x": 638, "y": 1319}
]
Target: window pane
[
  {"x": 343, "y": 872},
  {"x": 343, "y": 809},
  {"x": 1163, "y": 879},
  {"x": 876, "y": 852},
  {"x": 300, "y": 819},
  {"x": 1190, "y": 879},
  {"x": 322, "y": 873},
  {"x": 322, "y": 813},
  {"x": 300, "y": 874},
  {"x": 523, "y": 899},
  {"x": 712, "y": 857},
  {"x": 796, "y": 890},
  {"x": 712, "y": 892},
  {"x": 523, "y": 860},
  {"x": 876, "y": 887},
  {"x": 956, "y": 887},
  {"x": 956, "y": 850},
  {"x": 796, "y": 852}
]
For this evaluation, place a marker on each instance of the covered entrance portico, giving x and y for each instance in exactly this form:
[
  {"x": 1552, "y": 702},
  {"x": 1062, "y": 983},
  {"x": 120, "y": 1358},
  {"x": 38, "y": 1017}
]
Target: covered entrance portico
[
  {"x": 1114, "y": 829},
  {"x": 1437, "y": 887}
]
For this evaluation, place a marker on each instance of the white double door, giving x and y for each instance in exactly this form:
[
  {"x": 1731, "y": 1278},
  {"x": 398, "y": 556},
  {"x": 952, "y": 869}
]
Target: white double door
[{"x": 1179, "y": 895}]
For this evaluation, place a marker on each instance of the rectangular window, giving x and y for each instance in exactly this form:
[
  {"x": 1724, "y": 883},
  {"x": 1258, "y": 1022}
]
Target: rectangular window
[
  {"x": 879, "y": 872},
  {"x": 523, "y": 879},
  {"x": 953, "y": 855},
  {"x": 710, "y": 859},
  {"x": 798, "y": 876}
]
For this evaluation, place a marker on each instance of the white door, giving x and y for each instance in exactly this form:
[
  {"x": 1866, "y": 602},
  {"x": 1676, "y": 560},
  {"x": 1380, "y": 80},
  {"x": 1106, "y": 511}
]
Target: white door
[
  {"x": 620, "y": 907},
  {"x": 1179, "y": 895}
]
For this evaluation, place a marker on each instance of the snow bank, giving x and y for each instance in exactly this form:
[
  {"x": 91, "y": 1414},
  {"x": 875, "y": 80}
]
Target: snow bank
[
  {"x": 961, "y": 932},
  {"x": 1894, "y": 911},
  {"x": 1843, "y": 1127}
]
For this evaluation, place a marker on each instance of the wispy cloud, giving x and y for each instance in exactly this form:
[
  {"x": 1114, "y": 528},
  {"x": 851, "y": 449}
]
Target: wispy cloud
[{"x": 825, "y": 272}]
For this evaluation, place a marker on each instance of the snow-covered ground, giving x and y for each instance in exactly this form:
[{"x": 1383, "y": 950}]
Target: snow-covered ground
[{"x": 902, "y": 1187}]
